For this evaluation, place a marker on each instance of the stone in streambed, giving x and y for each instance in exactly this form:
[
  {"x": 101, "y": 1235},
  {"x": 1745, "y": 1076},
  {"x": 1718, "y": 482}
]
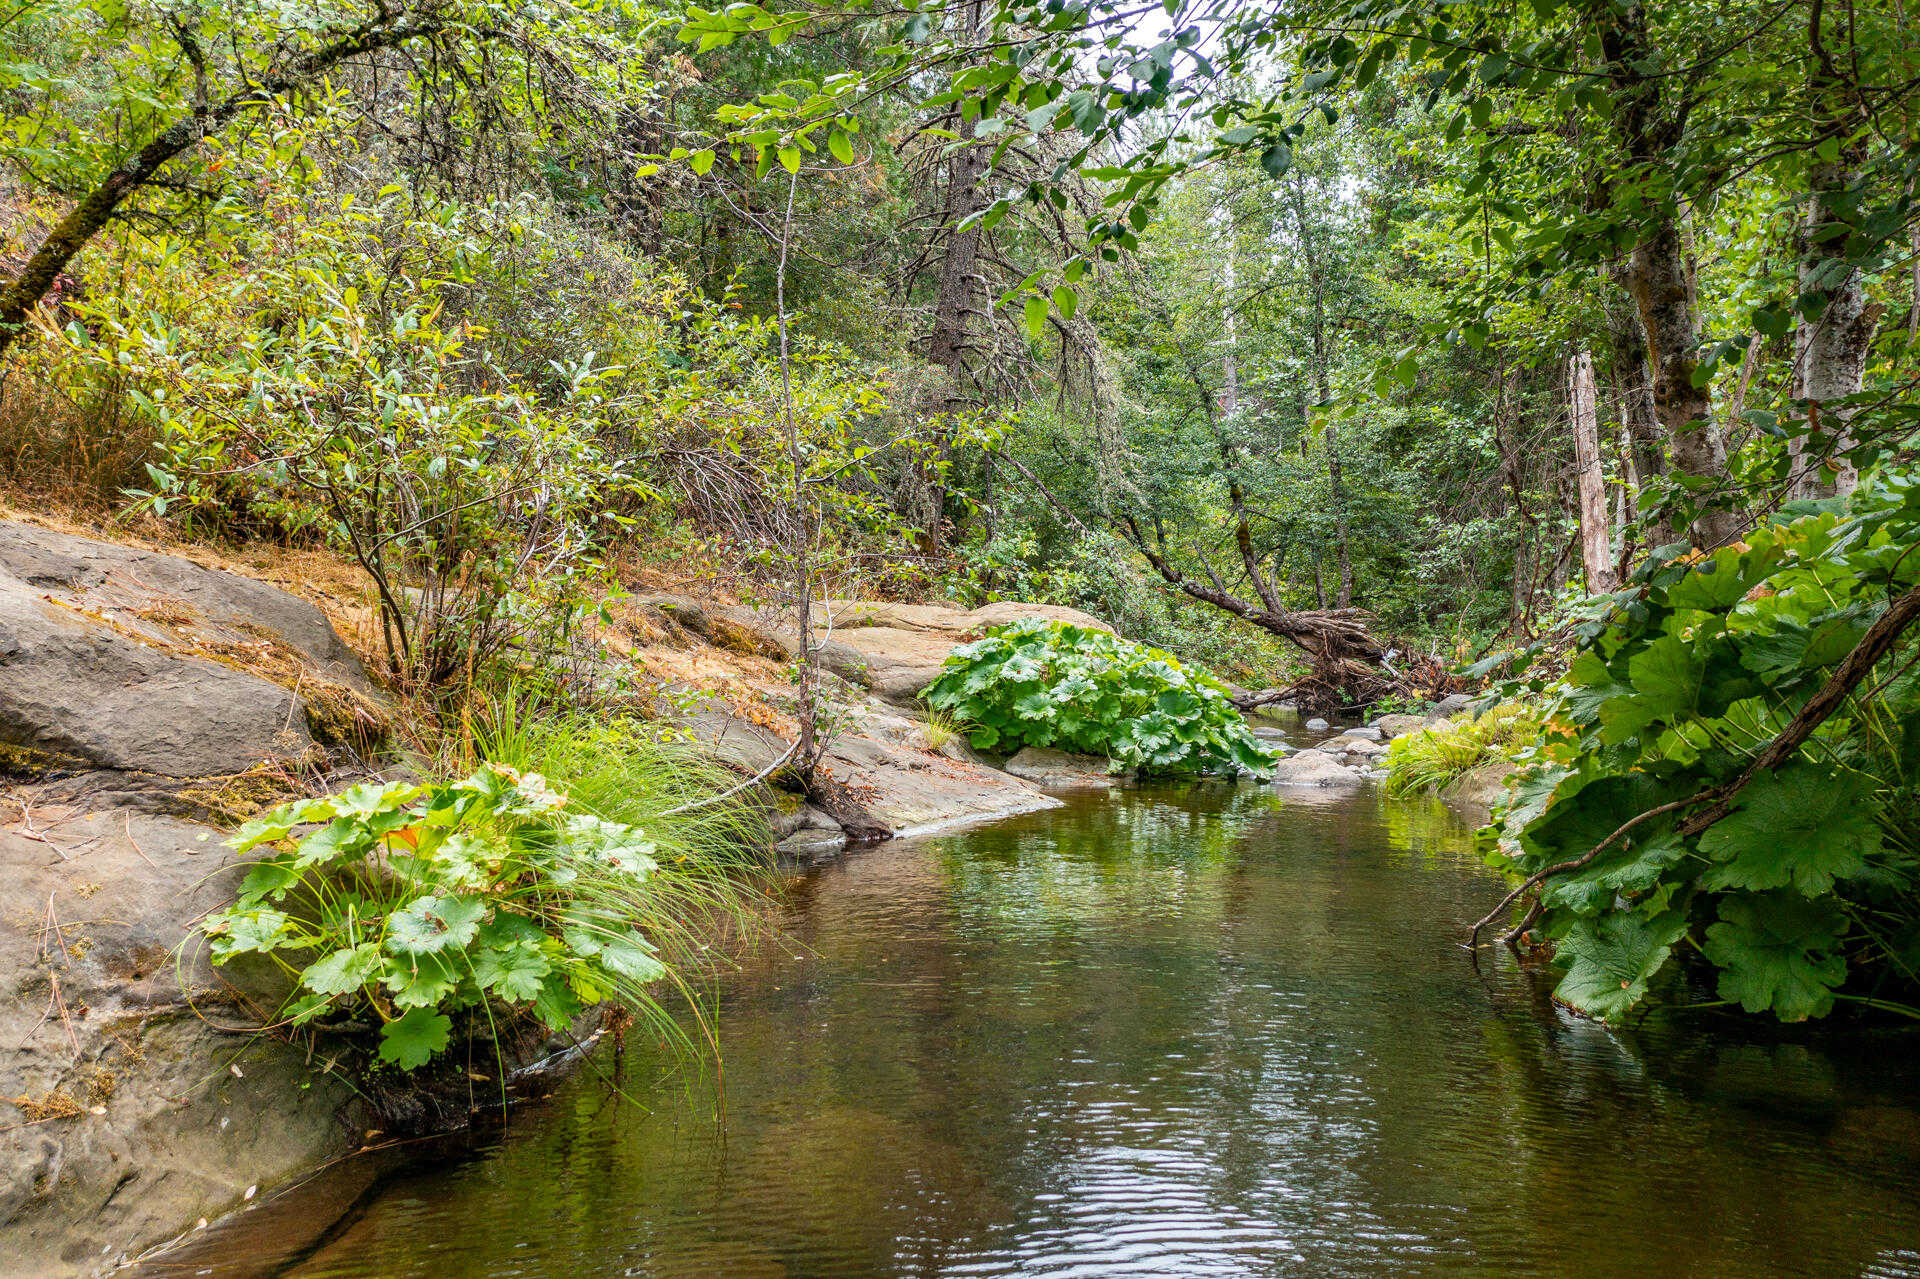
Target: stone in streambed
[
  {"x": 1392, "y": 726},
  {"x": 1314, "y": 768},
  {"x": 1317, "y": 725},
  {"x": 1449, "y": 706}
]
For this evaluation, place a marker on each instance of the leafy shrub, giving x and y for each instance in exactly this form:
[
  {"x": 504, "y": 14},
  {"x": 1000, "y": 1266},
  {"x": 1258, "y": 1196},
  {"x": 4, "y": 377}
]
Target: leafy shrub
[
  {"x": 1432, "y": 758},
  {"x": 1809, "y": 884},
  {"x": 1040, "y": 683},
  {"x": 490, "y": 895}
]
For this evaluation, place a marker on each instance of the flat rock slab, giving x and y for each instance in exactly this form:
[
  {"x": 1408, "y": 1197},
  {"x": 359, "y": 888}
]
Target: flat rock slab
[
  {"x": 903, "y": 786},
  {"x": 131, "y": 1114},
  {"x": 1046, "y": 767}
]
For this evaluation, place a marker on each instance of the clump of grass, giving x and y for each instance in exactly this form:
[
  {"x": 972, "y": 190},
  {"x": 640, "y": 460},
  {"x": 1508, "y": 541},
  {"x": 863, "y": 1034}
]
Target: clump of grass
[
  {"x": 1435, "y": 757},
  {"x": 709, "y": 848},
  {"x": 941, "y": 729}
]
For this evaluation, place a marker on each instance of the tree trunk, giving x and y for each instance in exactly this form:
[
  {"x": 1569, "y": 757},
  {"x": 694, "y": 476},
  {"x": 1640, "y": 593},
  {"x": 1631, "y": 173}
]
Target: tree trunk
[
  {"x": 1633, "y": 383},
  {"x": 1659, "y": 275},
  {"x": 954, "y": 305},
  {"x": 1830, "y": 347},
  {"x": 1596, "y": 547},
  {"x": 1336, "y": 489}
]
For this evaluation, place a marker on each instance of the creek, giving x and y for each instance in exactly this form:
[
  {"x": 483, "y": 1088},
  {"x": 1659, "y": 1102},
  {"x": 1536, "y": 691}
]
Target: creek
[{"x": 1200, "y": 1031}]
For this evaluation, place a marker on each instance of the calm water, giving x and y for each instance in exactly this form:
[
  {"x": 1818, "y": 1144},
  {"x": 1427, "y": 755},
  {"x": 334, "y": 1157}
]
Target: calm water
[{"x": 1212, "y": 1033}]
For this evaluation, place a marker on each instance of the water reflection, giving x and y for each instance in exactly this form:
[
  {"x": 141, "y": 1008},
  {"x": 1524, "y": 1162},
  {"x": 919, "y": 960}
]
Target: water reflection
[{"x": 1208, "y": 1032}]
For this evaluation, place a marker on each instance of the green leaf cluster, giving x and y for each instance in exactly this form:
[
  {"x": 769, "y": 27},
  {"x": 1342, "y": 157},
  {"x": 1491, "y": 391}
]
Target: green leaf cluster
[
  {"x": 417, "y": 903},
  {"x": 1042, "y": 683},
  {"x": 1809, "y": 882}
]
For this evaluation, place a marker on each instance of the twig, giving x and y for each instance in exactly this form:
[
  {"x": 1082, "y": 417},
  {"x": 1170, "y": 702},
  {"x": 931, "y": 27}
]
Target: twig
[
  {"x": 136, "y": 843},
  {"x": 762, "y": 775},
  {"x": 66, "y": 1018}
]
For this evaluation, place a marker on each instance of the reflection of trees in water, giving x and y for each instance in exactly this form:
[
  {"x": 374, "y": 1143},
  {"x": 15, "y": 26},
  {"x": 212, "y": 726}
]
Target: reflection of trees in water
[{"x": 1247, "y": 1010}]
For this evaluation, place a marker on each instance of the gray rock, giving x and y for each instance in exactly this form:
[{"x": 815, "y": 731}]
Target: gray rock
[
  {"x": 1046, "y": 767},
  {"x": 1266, "y": 734},
  {"x": 1392, "y": 726},
  {"x": 1371, "y": 733},
  {"x": 1349, "y": 744},
  {"x": 1317, "y": 725},
  {"x": 127, "y": 659},
  {"x": 1313, "y": 768},
  {"x": 812, "y": 845},
  {"x": 1449, "y": 706}
]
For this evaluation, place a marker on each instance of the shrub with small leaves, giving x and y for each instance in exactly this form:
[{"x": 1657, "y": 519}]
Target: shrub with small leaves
[
  {"x": 416, "y": 903},
  {"x": 1041, "y": 683}
]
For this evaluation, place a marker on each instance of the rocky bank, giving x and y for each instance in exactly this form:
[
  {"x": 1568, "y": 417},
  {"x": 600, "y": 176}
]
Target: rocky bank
[{"x": 147, "y": 702}]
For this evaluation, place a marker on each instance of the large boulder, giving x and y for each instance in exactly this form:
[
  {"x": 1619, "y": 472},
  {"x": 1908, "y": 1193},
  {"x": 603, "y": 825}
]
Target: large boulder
[
  {"x": 134, "y": 687},
  {"x": 140, "y": 1102},
  {"x": 119, "y": 658},
  {"x": 895, "y": 650}
]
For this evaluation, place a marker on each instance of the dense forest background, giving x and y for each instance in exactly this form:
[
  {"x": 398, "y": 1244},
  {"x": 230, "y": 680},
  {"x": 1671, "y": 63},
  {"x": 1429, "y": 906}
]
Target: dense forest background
[{"x": 1183, "y": 316}]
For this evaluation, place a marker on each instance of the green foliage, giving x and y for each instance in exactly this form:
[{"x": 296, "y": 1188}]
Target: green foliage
[
  {"x": 1431, "y": 758},
  {"x": 482, "y": 899},
  {"x": 1041, "y": 683},
  {"x": 1809, "y": 885}
]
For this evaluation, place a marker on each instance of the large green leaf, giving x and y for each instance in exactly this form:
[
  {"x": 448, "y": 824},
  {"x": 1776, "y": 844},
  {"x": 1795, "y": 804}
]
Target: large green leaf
[
  {"x": 1802, "y": 828},
  {"x": 342, "y": 971},
  {"x": 1778, "y": 952},
  {"x": 1611, "y": 958},
  {"x": 410, "y": 1041},
  {"x": 1666, "y": 675},
  {"x": 514, "y": 972},
  {"x": 433, "y": 923}
]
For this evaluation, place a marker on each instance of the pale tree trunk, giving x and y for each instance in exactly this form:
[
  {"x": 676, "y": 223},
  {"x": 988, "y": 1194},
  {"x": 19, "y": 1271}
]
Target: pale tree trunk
[
  {"x": 1830, "y": 348},
  {"x": 1596, "y": 548},
  {"x": 1336, "y": 488}
]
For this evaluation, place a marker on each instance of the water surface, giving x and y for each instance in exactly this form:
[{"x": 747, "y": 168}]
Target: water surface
[{"x": 1195, "y": 1032}]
